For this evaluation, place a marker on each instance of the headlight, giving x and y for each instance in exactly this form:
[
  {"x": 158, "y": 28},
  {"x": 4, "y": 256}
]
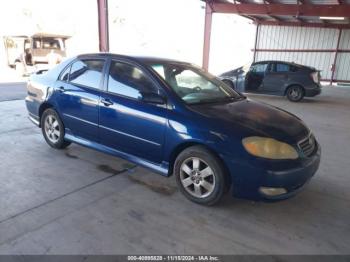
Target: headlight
[{"x": 269, "y": 148}]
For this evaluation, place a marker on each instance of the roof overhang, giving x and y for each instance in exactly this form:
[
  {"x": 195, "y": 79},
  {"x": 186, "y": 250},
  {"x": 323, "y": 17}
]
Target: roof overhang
[{"x": 288, "y": 12}]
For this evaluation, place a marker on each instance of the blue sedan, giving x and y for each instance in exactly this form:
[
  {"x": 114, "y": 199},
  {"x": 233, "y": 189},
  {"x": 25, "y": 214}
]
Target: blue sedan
[{"x": 174, "y": 118}]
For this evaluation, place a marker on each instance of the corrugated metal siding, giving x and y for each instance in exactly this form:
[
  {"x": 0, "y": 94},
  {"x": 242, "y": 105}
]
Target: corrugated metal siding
[
  {"x": 342, "y": 71},
  {"x": 292, "y": 37},
  {"x": 283, "y": 37},
  {"x": 345, "y": 39}
]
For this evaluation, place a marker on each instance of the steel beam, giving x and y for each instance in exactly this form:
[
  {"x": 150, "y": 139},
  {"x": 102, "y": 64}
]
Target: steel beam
[
  {"x": 302, "y": 23},
  {"x": 336, "y": 80},
  {"x": 302, "y": 50},
  {"x": 207, "y": 34},
  {"x": 103, "y": 32},
  {"x": 256, "y": 41},
  {"x": 283, "y": 9},
  {"x": 334, "y": 65}
]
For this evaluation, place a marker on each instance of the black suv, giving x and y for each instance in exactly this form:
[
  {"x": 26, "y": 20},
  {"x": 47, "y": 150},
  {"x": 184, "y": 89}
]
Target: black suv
[{"x": 275, "y": 78}]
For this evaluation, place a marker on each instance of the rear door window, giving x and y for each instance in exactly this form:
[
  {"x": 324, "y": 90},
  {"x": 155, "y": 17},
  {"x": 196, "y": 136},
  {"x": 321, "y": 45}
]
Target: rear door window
[
  {"x": 87, "y": 72},
  {"x": 282, "y": 68},
  {"x": 259, "y": 68}
]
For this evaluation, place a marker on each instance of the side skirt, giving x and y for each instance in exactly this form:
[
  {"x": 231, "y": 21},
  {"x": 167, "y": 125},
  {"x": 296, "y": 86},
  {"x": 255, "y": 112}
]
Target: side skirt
[{"x": 160, "y": 169}]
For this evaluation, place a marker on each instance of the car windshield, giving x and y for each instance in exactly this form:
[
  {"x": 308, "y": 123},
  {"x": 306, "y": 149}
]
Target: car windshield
[{"x": 193, "y": 85}]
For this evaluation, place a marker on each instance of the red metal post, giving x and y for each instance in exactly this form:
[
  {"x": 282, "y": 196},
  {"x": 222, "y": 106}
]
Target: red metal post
[
  {"x": 334, "y": 66},
  {"x": 102, "y": 6},
  {"x": 256, "y": 41},
  {"x": 207, "y": 33}
]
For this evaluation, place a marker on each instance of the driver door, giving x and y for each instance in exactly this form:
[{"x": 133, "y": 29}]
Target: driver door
[
  {"x": 255, "y": 77},
  {"x": 126, "y": 122}
]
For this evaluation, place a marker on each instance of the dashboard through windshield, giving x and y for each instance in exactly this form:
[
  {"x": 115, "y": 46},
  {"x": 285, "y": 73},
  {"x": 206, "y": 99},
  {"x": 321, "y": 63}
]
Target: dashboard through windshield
[{"x": 193, "y": 85}]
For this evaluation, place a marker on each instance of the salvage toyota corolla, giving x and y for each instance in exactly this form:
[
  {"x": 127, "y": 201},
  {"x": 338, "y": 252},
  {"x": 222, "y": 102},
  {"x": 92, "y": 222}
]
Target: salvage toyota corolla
[{"x": 174, "y": 118}]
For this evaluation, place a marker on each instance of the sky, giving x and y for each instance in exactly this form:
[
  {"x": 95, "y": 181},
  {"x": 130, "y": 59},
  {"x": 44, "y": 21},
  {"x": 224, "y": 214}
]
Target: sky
[{"x": 162, "y": 28}]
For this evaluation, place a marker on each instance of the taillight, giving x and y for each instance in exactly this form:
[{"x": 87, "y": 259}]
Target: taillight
[{"x": 315, "y": 77}]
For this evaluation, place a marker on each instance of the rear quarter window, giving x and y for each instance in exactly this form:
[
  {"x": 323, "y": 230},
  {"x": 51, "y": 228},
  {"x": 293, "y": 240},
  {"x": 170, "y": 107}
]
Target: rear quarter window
[{"x": 65, "y": 74}]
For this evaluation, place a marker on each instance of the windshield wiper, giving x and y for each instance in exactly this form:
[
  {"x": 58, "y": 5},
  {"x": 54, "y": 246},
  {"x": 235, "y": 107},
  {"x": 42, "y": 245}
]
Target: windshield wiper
[{"x": 218, "y": 100}]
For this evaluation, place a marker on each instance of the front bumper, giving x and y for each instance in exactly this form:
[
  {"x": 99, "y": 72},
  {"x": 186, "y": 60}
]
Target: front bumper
[{"x": 249, "y": 178}]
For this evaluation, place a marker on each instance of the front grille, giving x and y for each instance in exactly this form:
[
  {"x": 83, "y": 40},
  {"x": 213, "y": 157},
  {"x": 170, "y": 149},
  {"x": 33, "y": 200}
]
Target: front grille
[{"x": 307, "y": 145}]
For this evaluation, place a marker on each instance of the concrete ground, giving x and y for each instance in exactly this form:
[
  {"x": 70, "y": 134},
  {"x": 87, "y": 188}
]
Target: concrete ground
[
  {"x": 78, "y": 201},
  {"x": 12, "y": 91}
]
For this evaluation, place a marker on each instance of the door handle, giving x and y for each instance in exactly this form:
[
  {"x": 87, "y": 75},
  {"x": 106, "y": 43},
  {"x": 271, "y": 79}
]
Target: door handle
[
  {"x": 106, "y": 102},
  {"x": 61, "y": 89}
]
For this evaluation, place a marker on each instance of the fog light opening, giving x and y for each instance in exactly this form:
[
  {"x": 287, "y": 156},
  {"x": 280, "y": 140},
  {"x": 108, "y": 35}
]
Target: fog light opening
[{"x": 272, "y": 191}]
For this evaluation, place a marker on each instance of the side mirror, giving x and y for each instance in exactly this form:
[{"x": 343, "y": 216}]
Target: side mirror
[{"x": 153, "y": 98}]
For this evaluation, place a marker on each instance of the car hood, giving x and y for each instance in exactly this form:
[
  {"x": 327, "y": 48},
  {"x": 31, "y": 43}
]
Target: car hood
[
  {"x": 248, "y": 117},
  {"x": 232, "y": 73}
]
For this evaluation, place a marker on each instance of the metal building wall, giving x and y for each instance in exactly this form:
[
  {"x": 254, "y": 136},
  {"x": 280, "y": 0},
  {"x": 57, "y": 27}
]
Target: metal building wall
[
  {"x": 306, "y": 45},
  {"x": 342, "y": 71}
]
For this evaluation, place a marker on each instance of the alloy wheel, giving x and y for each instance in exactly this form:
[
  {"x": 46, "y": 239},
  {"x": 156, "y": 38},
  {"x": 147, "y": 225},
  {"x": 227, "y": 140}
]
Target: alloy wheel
[
  {"x": 52, "y": 129},
  {"x": 197, "y": 177},
  {"x": 294, "y": 93}
]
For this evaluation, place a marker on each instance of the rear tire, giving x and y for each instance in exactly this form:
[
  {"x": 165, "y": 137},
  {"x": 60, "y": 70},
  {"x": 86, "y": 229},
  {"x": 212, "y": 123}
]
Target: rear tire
[
  {"x": 295, "y": 93},
  {"x": 200, "y": 176},
  {"x": 53, "y": 129}
]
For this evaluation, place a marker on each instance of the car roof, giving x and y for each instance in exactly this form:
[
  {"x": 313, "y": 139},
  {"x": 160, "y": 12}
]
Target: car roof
[
  {"x": 140, "y": 59},
  {"x": 277, "y": 61}
]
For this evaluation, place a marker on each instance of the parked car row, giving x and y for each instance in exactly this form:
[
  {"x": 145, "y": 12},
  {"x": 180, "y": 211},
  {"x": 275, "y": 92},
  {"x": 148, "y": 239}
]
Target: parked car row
[{"x": 177, "y": 119}]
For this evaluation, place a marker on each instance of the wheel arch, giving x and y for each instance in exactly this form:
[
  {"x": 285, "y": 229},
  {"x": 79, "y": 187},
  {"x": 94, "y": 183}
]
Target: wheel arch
[
  {"x": 183, "y": 146},
  {"x": 42, "y": 108},
  {"x": 293, "y": 84}
]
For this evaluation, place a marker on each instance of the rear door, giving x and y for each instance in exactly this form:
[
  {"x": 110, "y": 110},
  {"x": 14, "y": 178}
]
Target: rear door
[
  {"x": 126, "y": 122},
  {"x": 79, "y": 90},
  {"x": 276, "y": 77}
]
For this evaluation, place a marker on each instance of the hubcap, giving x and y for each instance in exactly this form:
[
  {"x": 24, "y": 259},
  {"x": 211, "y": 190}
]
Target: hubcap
[
  {"x": 197, "y": 177},
  {"x": 52, "y": 129},
  {"x": 294, "y": 93}
]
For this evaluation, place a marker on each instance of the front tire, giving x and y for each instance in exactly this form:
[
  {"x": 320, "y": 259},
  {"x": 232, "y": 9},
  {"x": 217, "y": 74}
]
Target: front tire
[
  {"x": 53, "y": 129},
  {"x": 200, "y": 176},
  {"x": 295, "y": 93}
]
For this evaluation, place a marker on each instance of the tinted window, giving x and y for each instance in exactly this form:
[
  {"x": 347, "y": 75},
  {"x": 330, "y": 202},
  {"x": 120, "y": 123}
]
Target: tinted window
[
  {"x": 282, "y": 68},
  {"x": 65, "y": 74},
  {"x": 128, "y": 80},
  {"x": 258, "y": 68},
  {"x": 86, "y": 72},
  {"x": 285, "y": 68}
]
